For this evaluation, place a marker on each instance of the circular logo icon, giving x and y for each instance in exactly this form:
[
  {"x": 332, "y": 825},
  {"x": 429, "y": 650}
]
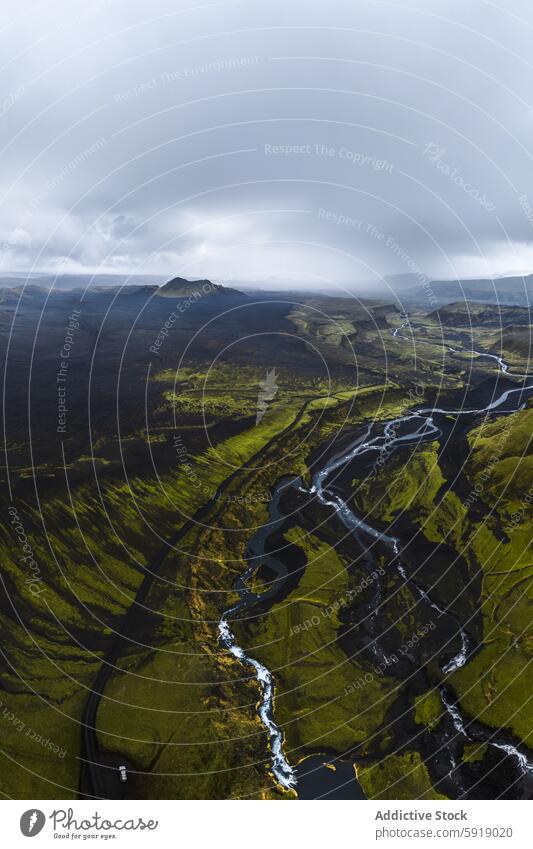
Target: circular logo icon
[{"x": 32, "y": 822}]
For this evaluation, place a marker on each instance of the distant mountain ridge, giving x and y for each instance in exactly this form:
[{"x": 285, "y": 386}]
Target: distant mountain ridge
[
  {"x": 511, "y": 291},
  {"x": 178, "y": 287},
  {"x": 67, "y": 282},
  {"x": 405, "y": 289}
]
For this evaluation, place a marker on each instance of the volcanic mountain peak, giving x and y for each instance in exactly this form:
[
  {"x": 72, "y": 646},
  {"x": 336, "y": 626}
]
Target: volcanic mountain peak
[{"x": 179, "y": 287}]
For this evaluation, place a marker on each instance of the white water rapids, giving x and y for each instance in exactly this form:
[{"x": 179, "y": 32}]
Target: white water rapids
[
  {"x": 281, "y": 768},
  {"x": 459, "y": 724}
]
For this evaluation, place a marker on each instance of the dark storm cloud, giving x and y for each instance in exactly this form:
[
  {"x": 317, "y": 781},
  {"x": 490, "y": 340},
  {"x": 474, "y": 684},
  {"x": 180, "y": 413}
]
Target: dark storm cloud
[{"x": 295, "y": 141}]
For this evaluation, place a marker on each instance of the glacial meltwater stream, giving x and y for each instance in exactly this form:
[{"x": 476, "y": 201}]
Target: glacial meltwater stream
[{"x": 424, "y": 428}]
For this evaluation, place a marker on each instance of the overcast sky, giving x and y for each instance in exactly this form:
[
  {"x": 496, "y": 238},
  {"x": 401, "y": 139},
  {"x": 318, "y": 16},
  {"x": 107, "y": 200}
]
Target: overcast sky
[{"x": 284, "y": 141}]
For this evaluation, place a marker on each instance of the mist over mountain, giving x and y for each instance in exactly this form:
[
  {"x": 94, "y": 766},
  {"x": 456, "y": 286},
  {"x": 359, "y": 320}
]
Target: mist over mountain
[
  {"x": 409, "y": 290},
  {"x": 497, "y": 290}
]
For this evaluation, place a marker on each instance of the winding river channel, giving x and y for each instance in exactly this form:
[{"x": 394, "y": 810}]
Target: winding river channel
[{"x": 379, "y": 438}]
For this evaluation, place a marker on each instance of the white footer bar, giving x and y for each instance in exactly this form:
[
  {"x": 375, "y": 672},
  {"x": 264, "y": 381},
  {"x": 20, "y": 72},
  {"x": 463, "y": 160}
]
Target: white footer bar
[{"x": 267, "y": 825}]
